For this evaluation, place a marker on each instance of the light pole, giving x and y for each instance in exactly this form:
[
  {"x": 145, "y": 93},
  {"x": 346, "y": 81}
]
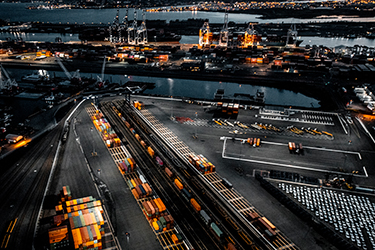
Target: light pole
[{"x": 196, "y": 125}]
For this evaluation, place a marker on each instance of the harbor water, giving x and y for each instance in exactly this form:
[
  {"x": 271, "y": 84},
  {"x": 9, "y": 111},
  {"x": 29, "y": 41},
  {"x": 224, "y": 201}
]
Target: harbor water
[{"x": 197, "y": 89}]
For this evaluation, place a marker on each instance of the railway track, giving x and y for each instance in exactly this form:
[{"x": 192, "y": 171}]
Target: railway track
[
  {"x": 233, "y": 202},
  {"x": 174, "y": 163},
  {"x": 151, "y": 170}
]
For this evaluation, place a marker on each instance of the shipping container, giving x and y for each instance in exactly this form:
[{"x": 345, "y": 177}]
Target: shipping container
[
  {"x": 143, "y": 180},
  {"x": 159, "y": 161},
  {"x": 178, "y": 184},
  {"x": 169, "y": 172},
  {"x": 160, "y": 205},
  {"x": 205, "y": 217},
  {"x": 268, "y": 223},
  {"x": 195, "y": 204},
  {"x": 217, "y": 230},
  {"x": 186, "y": 194},
  {"x": 151, "y": 152}
]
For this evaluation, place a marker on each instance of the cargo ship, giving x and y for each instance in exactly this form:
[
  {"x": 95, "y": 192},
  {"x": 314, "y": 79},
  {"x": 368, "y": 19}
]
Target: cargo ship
[{"x": 244, "y": 98}]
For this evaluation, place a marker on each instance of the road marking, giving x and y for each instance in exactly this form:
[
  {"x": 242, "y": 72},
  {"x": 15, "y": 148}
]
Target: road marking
[
  {"x": 364, "y": 169},
  {"x": 281, "y": 164},
  {"x": 364, "y": 127},
  {"x": 346, "y": 132}
]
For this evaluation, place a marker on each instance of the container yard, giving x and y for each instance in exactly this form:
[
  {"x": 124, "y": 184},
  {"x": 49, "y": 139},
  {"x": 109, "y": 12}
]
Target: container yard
[
  {"x": 78, "y": 223},
  {"x": 152, "y": 206}
]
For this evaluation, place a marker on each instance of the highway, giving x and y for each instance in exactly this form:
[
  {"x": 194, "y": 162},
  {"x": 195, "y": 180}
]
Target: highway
[{"x": 23, "y": 182}]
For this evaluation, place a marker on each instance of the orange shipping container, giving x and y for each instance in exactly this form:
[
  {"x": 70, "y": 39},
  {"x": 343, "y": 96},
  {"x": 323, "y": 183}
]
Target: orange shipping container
[
  {"x": 151, "y": 151},
  {"x": 178, "y": 184},
  {"x": 195, "y": 204}
]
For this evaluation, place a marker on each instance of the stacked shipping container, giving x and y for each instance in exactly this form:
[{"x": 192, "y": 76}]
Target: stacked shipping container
[
  {"x": 85, "y": 219},
  {"x": 201, "y": 163},
  {"x": 127, "y": 166},
  {"x": 108, "y": 134}
]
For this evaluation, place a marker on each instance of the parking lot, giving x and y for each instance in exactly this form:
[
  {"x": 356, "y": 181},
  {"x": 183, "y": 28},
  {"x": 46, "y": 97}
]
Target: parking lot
[{"x": 351, "y": 215}]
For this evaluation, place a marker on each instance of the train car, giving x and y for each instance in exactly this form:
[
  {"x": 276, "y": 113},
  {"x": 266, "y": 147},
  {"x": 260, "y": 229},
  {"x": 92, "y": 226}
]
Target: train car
[
  {"x": 218, "y": 233},
  {"x": 178, "y": 184},
  {"x": 195, "y": 204},
  {"x": 168, "y": 172},
  {"x": 151, "y": 152},
  {"x": 159, "y": 161},
  {"x": 186, "y": 194},
  {"x": 206, "y": 219}
]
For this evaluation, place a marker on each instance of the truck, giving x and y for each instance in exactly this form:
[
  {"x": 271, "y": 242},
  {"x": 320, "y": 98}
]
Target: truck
[{"x": 12, "y": 138}]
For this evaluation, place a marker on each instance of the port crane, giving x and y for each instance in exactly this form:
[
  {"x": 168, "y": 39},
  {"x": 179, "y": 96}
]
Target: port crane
[
  {"x": 250, "y": 34},
  {"x": 224, "y": 33},
  {"x": 76, "y": 76},
  {"x": 204, "y": 35},
  {"x": 132, "y": 31},
  {"x": 142, "y": 30},
  {"x": 100, "y": 79},
  {"x": 292, "y": 34},
  {"x": 124, "y": 27},
  {"x": 8, "y": 83},
  {"x": 115, "y": 28}
]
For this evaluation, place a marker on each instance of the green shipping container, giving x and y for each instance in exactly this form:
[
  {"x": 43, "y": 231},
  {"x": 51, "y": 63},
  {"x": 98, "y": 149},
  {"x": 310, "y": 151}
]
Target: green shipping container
[{"x": 163, "y": 222}]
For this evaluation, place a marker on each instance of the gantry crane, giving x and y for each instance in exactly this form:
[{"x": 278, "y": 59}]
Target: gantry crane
[
  {"x": 292, "y": 34},
  {"x": 132, "y": 30},
  {"x": 142, "y": 30},
  {"x": 205, "y": 35},
  {"x": 250, "y": 35},
  {"x": 224, "y": 33}
]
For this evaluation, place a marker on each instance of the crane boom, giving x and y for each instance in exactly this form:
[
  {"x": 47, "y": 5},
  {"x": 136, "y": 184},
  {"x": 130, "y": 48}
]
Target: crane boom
[
  {"x": 63, "y": 68},
  {"x": 103, "y": 67},
  {"x": 5, "y": 72}
]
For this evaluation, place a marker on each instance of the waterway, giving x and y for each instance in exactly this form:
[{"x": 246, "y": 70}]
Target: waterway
[
  {"x": 198, "y": 89},
  {"x": 18, "y": 12}
]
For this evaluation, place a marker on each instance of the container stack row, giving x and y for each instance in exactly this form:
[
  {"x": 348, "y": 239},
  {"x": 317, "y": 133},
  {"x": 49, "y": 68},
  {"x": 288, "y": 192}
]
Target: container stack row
[
  {"x": 108, "y": 134},
  {"x": 58, "y": 237},
  {"x": 201, "y": 163},
  {"x": 127, "y": 166},
  {"x": 138, "y": 105},
  {"x": 153, "y": 208},
  {"x": 80, "y": 220},
  {"x": 228, "y": 108},
  {"x": 140, "y": 189},
  {"x": 163, "y": 223}
]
